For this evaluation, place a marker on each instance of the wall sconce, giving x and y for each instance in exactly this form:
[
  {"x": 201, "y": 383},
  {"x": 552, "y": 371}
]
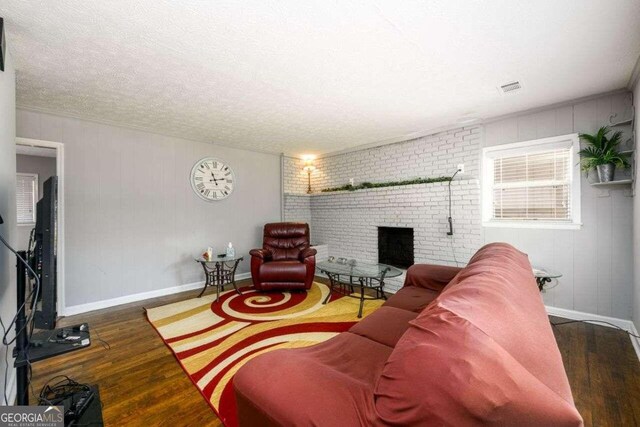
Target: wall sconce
[{"x": 308, "y": 168}]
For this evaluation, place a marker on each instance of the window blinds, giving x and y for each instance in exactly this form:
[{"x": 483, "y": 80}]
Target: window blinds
[
  {"x": 26, "y": 197},
  {"x": 533, "y": 186}
]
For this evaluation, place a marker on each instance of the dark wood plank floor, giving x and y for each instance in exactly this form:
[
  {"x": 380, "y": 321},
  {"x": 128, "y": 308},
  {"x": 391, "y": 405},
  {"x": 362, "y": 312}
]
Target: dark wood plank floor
[{"x": 142, "y": 384}]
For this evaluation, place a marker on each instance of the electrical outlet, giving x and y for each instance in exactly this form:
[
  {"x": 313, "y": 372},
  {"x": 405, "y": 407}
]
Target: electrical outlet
[{"x": 461, "y": 167}]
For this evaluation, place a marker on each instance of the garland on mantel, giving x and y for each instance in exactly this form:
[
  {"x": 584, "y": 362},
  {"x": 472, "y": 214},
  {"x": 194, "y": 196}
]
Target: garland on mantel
[{"x": 365, "y": 185}]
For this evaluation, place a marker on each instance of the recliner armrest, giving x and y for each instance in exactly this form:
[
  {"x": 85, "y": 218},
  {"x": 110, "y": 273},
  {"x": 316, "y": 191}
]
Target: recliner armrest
[
  {"x": 264, "y": 254},
  {"x": 428, "y": 276},
  {"x": 306, "y": 253}
]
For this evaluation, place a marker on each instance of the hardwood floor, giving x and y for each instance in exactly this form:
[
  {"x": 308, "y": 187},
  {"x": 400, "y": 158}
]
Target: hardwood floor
[{"x": 141, "y": 383}]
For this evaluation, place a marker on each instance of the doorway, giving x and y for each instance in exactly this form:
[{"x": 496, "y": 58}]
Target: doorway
[{"x": 36, "y": 162}]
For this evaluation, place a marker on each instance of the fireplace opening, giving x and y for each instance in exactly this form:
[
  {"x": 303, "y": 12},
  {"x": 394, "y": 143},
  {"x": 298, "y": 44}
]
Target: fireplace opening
[{"x": 395, "y": 246}]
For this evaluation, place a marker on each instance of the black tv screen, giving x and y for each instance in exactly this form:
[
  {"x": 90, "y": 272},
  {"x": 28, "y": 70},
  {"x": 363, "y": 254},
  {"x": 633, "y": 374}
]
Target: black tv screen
[{"x": 46, "y": 256}]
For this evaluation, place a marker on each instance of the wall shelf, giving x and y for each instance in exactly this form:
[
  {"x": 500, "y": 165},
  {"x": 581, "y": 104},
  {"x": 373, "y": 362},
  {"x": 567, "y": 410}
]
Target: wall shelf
[{"x": 618, "y": 182}]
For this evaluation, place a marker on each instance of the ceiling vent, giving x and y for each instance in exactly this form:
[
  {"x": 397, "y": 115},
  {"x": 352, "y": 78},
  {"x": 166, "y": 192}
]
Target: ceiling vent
[{"x": 510, "y": 88}]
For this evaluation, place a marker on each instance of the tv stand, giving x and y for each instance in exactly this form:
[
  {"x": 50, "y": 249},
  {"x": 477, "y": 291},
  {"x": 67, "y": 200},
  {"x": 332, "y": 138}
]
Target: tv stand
[
  {"x": 40, "y": 347},
  {"x": 48, "y": 344}
]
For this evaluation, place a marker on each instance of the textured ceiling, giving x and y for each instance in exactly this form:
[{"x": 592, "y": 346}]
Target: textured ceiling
[{"x": 312, "y": 76}]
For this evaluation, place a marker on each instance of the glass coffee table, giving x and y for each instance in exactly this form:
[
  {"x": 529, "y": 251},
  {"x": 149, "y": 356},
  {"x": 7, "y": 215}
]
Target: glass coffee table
[
  {"x": 218, "y": 272},
  {"x": 347, "y": 275}
]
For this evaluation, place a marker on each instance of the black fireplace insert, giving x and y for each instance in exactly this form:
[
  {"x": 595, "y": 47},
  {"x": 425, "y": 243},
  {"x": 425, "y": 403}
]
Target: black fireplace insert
[{"x": 395, "y": 246}]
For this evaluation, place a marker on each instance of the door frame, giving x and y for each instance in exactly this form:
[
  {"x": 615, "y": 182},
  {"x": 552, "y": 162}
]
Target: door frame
[{"x": 59, "y": 147}]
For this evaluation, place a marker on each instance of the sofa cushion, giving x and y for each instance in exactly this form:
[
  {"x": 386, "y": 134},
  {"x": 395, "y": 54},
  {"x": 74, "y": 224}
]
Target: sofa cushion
[
  {"x": 428, "y": 276},
  {"x": 411, "y": 298},
  {"x": 329, "y": 384},
  {"x": 385, "y": 325},
  {"x": 445, "y": 371},
  {"x": 280, "y": 271}
]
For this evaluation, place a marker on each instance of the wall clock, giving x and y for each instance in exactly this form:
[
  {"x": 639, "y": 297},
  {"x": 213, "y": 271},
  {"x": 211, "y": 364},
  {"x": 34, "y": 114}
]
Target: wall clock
[{"x": 212, "y": 179}]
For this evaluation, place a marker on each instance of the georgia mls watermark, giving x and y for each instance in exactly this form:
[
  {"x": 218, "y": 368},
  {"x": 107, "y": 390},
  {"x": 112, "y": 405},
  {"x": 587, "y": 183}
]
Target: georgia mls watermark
[{"x": 31, "y": 416}]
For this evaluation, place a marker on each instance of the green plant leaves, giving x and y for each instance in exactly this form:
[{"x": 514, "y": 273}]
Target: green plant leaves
[
  {"x": 364, "y": 185},
  {"x": 601, "y": 149}
]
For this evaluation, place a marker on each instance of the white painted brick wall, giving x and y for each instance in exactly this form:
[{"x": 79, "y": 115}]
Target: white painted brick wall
[
  {"x": 426, "y": 157},
  {"x": 297, "y": 208},
  {"x": 295, "y": 179},
  {"x": 348, "y": 221}
]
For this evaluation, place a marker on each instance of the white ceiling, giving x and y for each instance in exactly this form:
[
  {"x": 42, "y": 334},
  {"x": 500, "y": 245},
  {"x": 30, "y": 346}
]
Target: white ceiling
[{"x": 313, "y": 76}]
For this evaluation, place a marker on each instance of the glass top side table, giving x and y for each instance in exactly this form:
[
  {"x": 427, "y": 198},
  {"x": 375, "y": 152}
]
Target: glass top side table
[
  {"x": 219, "y": 271},
  {"x": 544, "y": 276},
  {"x": 352, "y": 274}
]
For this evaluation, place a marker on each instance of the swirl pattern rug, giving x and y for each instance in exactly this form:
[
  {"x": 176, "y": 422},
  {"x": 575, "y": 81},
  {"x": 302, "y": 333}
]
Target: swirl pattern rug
[{"x": 212, "y": 340}]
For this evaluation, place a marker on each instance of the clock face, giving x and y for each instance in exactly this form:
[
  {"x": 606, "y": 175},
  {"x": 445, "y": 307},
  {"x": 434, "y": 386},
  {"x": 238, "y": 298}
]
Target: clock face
[{"x": 212, "y": 179}]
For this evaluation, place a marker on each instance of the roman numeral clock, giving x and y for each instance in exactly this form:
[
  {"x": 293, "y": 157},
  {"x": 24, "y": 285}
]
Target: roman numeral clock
[{"x": 212, "y": 179}]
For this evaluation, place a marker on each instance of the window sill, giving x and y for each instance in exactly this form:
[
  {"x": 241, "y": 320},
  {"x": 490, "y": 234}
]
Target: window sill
[{"x": 533, "y": 224}]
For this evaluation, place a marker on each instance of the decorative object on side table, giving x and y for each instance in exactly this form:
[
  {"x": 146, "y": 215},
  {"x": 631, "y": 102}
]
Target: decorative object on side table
[
  {"x": 219, "y": 272},
  {"x": 602, "y": 153},
  {"x": 357, "y": 274},
  {"x": 544, "y": 276}
]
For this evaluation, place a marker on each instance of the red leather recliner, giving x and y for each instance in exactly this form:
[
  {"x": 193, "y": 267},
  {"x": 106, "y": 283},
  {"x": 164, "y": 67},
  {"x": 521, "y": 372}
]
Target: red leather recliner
[{"x": 286, "y": 261}]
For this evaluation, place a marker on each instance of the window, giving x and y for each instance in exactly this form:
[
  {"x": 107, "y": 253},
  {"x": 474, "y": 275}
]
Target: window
[
  {"x": 26, "y": 197},
  {"x": 531, "y": 184}
]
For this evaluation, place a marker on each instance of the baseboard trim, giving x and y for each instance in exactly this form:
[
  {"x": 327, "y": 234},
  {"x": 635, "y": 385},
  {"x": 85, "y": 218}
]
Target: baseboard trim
[
  {"x": 99, "y": 305},
  {"x": 626, "y": 325},
  {"x": 635, "y": 341}
]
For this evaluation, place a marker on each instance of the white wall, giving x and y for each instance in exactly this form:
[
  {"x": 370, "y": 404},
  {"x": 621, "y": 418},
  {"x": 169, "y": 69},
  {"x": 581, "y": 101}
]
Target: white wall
[
  {"x": 596, "y": 261},
  {"x": 7, "y": 205},
  {"x": 636, "y": 217},
  {"x": 45, "y": 167},
  {"x": 133, "y": 224}
]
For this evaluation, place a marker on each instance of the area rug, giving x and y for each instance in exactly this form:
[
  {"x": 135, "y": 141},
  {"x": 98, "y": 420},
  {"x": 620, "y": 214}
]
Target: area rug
[{"x": 212, "y": 340}]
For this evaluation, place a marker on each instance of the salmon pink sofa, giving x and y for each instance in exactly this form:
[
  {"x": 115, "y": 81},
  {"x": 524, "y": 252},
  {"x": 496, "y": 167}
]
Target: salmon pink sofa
[{"x": 454, "y": 347}]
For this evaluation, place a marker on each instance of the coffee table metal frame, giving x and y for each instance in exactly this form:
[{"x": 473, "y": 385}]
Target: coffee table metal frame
[
  {"x": 219, "y": 272},
  {"x": 355, "y": 278}
]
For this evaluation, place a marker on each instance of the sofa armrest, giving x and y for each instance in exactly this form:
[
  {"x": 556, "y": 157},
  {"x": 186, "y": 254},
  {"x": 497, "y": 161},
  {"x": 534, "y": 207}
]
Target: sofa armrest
[
  {"x": 428, "y": 276},
  {"x": 264, "y": 254},
  {"x": 269, "y": 393},
  {"x": 306, "y": 253}
]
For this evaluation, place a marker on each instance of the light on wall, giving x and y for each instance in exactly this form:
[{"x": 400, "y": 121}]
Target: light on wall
[{"x": 309, "y": 167}]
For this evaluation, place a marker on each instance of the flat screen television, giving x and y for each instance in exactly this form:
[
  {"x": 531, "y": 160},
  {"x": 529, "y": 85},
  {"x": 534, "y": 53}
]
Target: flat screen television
[{"x": 45, "y": 256}]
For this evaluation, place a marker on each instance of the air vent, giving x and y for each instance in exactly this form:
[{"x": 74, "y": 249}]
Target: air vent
[{"x": 512, "y": 87}]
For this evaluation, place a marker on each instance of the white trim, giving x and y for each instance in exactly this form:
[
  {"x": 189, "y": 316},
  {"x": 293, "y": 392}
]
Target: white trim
[
  {"x": 624, "y": 324},
  {"x": 99, "y": 305},
  {"x": 12, "y": 390},
  {"x": 535, "y": 145},
  {"x": 533, "y": 224},
  {"x": 59, "y": 147}
]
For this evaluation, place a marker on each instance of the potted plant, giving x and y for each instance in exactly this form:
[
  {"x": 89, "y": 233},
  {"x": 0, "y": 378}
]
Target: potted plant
[{"x": 601, "y": 153}]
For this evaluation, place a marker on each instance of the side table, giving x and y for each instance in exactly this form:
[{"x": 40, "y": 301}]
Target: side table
[
  {"x": 219, "y": 272},
  {"x": 544, "y": 276}
]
